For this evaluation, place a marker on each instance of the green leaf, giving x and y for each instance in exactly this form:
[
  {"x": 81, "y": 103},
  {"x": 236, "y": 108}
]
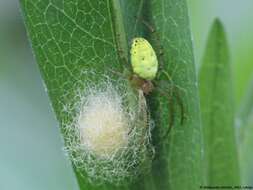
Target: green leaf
[
  {"x": 246, "y": 155},
  {"x": 245, "y": 125},
  {"x": 217, "y": 108},
  {"x": 246, "y": 108},
  {"x": 70, "y": 37},
  {"x": 177, "y": 165}
]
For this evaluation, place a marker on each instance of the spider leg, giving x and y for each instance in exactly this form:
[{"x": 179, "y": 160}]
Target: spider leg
[
  {"x": 148, "y": 25},
  {"x": 120, "y": 50},
  {"x": 122, "y": 57},
  {"x": 173, "y": 92},
  {"x": 115, "y": 72},
  {"x": 180, "y": 103},
  {"x": 172, "y": 116},
  {"x": 171, "y": 110}
]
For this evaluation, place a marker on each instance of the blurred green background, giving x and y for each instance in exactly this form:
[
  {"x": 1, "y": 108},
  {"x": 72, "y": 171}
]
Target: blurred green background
[{"x": 31, "y": 156}]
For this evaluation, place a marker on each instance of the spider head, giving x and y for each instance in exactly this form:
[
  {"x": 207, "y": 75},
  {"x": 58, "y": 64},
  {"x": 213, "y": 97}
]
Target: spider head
[{"x": 145, "y": 85}]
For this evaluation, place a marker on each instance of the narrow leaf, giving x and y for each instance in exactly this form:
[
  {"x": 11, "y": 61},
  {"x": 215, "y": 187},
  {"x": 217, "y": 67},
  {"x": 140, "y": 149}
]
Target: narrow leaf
[
  {"x": 217, "y": 107},
  {"x": 76, "y": 42},
  {"x": 246, "y": 109},
  {"x": 245, "y": 138},
  {"x": 177, "y": 163},
  {"x": 70, "y": 37},
  {"x": 246, "y": 155}
]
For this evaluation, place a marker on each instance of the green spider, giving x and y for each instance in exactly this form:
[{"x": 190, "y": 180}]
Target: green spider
[{"x": 144, "y": 64}]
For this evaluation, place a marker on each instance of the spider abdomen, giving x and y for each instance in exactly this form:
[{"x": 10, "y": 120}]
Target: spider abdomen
[{"x": 143, "y": 59}]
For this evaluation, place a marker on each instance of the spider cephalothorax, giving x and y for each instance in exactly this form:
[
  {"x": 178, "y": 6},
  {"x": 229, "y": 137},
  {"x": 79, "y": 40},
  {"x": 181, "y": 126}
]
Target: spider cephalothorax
[{"x": 145, "y": 85}]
